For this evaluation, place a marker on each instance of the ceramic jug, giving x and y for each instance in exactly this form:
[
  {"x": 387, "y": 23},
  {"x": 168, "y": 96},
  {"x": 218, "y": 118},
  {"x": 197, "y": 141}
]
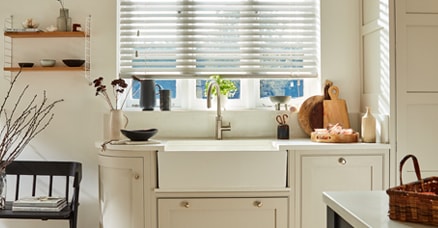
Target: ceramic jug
[
  {"x": 117, "y": 121},
  {"x": 147, "y": 94}
]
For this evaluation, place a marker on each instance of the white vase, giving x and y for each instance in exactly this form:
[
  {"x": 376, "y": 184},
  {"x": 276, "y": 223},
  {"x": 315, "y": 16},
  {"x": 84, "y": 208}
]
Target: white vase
[
  {"x": 117, "y": 120},
  {"x": 368, "y": 127}
]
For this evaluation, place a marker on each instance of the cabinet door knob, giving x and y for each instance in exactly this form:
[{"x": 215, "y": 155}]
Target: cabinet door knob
[
  {"x": 185, "y": 204},
  {"x": 136, "y": 176},
  {"x": 342, "y": 161},
  {"x": 258, "y": 203}
]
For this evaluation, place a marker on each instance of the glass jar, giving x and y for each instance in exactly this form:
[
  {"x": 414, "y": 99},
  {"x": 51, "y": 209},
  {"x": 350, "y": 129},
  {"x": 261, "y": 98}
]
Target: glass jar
[{"x": 64, "y": 21}]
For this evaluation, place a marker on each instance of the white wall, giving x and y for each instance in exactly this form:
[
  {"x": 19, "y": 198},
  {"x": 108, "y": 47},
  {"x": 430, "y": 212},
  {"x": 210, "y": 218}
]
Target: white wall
[{"x": 79, "y": 120}]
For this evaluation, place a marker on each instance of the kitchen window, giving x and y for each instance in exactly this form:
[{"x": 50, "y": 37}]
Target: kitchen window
[{"x": 262, "y": 44}]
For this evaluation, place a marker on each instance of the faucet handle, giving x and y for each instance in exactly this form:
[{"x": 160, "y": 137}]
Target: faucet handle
[{"x": 226, "y": 127}]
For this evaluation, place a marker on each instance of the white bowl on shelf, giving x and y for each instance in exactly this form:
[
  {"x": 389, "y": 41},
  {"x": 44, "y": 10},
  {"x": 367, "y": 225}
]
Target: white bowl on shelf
[{"x": 47, "y": 62}]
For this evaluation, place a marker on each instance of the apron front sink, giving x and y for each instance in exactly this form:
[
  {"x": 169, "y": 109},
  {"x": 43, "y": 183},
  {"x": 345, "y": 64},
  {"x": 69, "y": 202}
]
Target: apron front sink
[{"x": 221, "y": 164}]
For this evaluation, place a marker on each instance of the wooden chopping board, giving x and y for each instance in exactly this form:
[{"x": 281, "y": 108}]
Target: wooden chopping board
[
  {"x": 310, "y": 115},
  {"x": 335, "y": 110}
]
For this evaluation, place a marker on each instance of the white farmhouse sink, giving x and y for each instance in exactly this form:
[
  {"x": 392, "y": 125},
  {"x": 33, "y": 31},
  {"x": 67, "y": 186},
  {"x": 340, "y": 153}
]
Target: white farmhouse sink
[
  {"x": 221, "y": 164},
  {"x": 220, "y": 145}
]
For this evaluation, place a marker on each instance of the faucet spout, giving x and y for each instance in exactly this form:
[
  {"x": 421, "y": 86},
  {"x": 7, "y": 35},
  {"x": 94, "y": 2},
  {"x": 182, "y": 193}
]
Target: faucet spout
[
  {"x": 218, "y": 98},
  {"x": 219, "y": 125}
]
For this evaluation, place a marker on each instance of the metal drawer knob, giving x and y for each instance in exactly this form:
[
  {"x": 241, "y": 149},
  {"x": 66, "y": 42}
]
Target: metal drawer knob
[
  {"x": 342, "y": 161},
  {"x": 258, "y": 204},
  {"x": 185, "y": 204}
]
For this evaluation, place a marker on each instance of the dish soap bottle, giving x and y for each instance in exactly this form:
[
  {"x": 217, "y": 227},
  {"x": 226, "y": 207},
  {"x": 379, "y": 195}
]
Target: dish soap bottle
[{"x": 368, "y": 127}]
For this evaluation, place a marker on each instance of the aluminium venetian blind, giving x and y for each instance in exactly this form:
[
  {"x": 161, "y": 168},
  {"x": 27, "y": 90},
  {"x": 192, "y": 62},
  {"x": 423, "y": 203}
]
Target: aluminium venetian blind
[{"x": 234, "y": 38}]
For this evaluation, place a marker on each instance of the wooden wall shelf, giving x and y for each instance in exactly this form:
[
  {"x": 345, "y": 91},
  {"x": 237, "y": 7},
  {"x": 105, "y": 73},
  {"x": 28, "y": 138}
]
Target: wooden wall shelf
[
  {"x": 44, "y": 34},
  {"x": 37, "y": 68}
]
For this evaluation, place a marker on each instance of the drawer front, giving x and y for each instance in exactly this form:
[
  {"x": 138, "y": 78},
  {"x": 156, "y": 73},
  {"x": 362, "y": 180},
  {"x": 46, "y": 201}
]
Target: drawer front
[{"x": 223, "y": 212}]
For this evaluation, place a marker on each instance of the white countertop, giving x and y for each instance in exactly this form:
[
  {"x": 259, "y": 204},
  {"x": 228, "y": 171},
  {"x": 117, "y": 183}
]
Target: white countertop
[
  {"x": 307, "y": 144},
  {"x": 365, "y": 209},
  {"x": 291, "y": 144}
]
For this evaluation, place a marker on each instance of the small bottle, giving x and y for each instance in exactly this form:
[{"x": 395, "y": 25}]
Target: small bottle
[{"x": 368, "y": 127}]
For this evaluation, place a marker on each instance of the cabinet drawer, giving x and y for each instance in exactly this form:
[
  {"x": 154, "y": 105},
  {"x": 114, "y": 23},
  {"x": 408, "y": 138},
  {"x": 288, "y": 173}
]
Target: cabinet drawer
[{"x": 223, "y": 212}]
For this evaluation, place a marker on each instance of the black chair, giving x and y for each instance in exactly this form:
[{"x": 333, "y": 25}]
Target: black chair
[{"x": 46, "y": 175}]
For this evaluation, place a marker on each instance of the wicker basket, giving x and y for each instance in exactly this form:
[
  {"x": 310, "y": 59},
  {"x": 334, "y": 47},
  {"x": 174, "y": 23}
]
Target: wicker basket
[{"x": 416, "y": 201}]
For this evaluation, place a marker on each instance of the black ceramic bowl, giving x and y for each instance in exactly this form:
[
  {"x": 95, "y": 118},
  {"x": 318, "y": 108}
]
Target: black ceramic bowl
[
  {"x": 139, "y": 135},
  {"x": 73, "y": 62},
  {"x": 25, "y": 64}
]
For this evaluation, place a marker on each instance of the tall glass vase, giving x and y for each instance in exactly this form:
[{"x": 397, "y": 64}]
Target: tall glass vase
[
  {"x": 2, "y": 188},
  {"x": 117, "y": 121},
  {"x": 63, "y": 22}
]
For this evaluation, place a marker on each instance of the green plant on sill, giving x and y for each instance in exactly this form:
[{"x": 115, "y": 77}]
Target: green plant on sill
[{"x": 227, "y": 87}]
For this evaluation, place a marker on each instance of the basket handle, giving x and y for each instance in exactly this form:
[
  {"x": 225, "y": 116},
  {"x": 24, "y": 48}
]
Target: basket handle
[{"x": 416, "y": 166}]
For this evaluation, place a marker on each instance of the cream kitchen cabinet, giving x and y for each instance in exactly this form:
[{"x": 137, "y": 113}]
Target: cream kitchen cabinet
[
  {"x": 130, "y": 195},
  {"x": 416, "y": 65},
  {"x": 317, "y": 171},
  {"x": 126, "y": 183},
  {"x": 223, "y": 212}
]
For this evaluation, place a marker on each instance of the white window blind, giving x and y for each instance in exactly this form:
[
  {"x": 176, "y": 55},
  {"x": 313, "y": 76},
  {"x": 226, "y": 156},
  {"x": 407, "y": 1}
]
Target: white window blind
[{"x": 234, "y": 38}]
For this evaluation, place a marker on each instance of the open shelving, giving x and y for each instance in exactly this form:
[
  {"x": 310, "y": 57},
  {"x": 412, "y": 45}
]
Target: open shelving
[{"x": 10, "y": 35}]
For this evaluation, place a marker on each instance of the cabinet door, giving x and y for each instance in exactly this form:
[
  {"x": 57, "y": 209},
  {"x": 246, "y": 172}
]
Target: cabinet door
[
  {"x": 417, "y": 84},
  {"x": 333, "y": 173},
  {"x": 223, "y": 212},
  {"x": 121, "y": 192}
]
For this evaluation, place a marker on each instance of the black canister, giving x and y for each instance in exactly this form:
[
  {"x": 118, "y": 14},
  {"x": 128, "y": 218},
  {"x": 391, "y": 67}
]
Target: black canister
[
  {"x": 147, "y": 94},
  {"x": 283, "y": 131},
  {"x": 165, "y": 100}
]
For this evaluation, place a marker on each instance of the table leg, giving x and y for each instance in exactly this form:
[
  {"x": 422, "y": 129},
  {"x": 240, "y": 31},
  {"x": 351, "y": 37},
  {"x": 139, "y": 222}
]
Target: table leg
[{"x": 336, "y": 221}]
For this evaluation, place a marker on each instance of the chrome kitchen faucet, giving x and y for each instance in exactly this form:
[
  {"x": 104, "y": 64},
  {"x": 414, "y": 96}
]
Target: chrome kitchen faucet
[{"x": 219, "y": 127}]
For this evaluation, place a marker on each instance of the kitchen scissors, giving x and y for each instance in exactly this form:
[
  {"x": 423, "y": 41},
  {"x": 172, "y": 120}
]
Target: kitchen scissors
[{"x": 281, "y": 119}]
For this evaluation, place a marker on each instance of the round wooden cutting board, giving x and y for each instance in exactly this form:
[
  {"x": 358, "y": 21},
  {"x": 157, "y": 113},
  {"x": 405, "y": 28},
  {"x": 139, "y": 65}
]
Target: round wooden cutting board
[{"x": 311, "y": 113}]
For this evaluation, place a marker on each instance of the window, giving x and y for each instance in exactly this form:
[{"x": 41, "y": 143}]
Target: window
[{"x": 193, "y": 39}]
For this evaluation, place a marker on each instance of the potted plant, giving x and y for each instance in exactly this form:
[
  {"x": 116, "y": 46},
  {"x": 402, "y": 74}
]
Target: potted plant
[{"x": 227, "y": 87}]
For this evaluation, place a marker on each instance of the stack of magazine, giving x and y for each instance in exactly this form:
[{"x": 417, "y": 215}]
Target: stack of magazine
[{"x": 42, "y": 203}]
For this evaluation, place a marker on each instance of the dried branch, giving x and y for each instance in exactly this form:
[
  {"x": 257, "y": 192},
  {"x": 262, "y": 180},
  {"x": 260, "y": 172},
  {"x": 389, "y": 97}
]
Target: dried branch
[{"x": 21, "y": 127}]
